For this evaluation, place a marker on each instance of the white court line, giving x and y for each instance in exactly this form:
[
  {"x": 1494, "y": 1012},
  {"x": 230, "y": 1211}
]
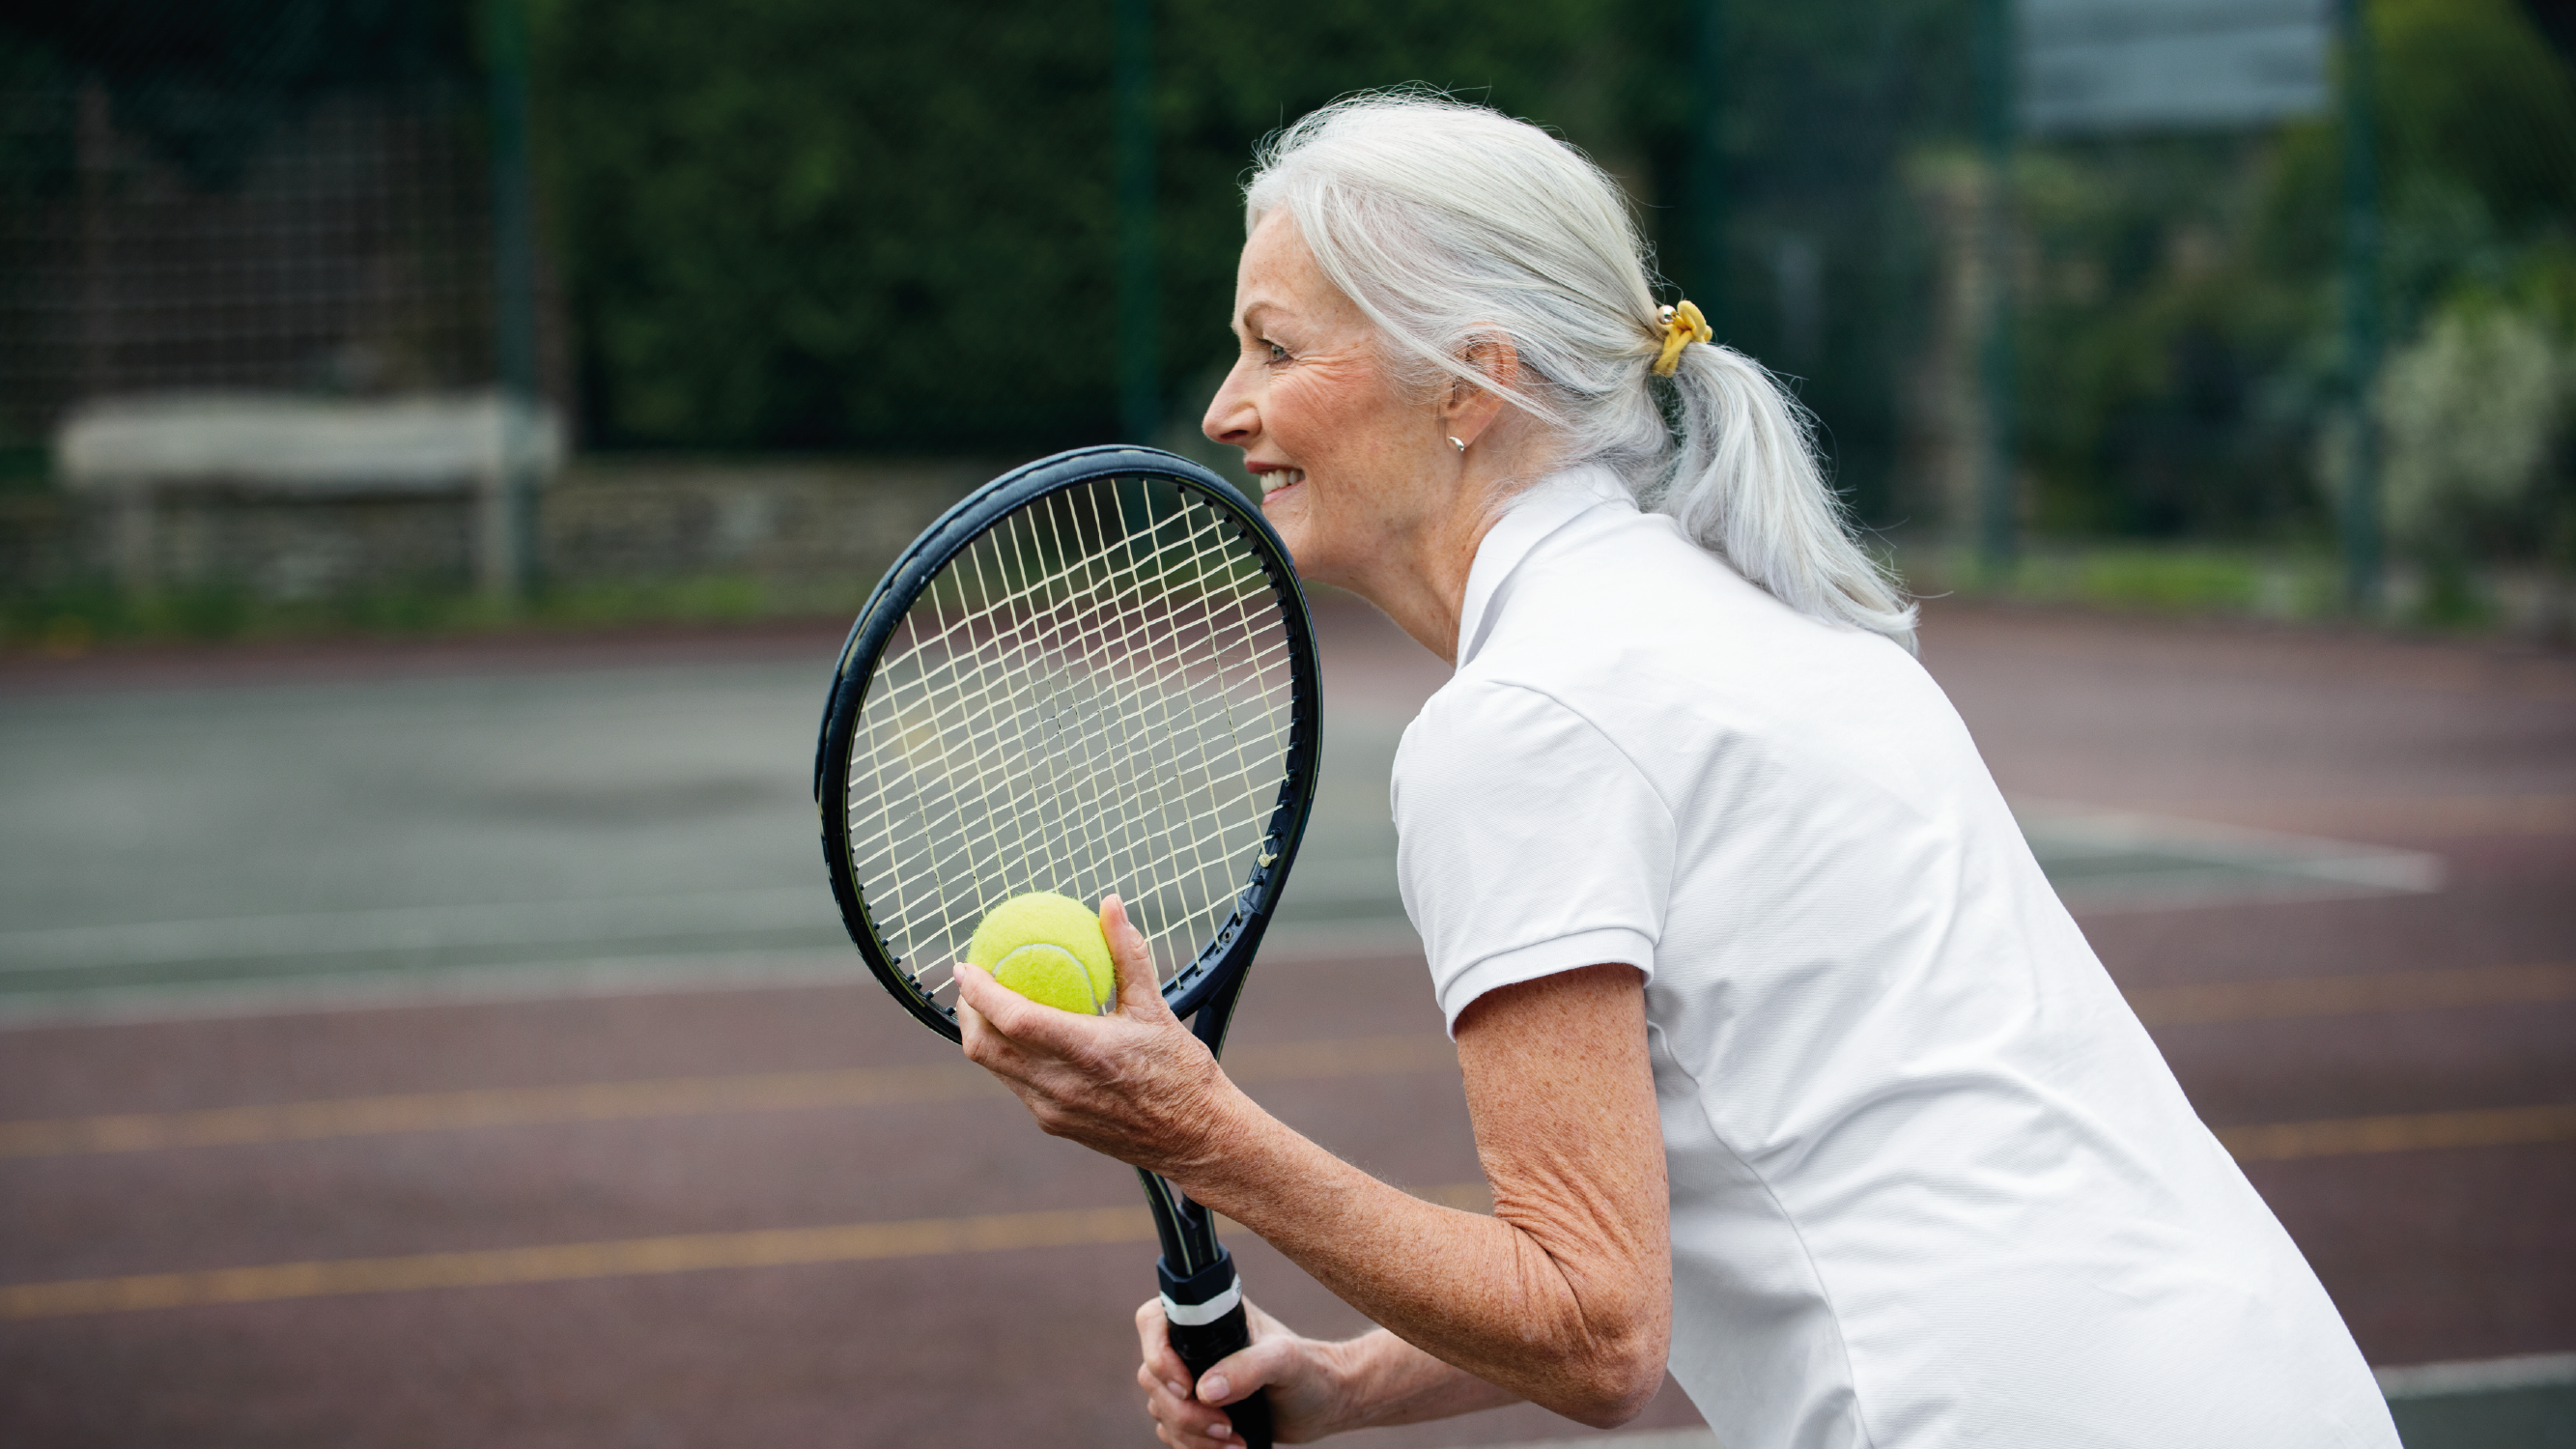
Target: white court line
[
  {"x": 470, "y": 985},
  {"x": 2480, "y": 1376},
  {"x": 1644, "y": 1439},
  {"x": 2233, "y": 864},
  {"x": 2227, "y": 864},
  {"x": 331, "y": 992},
  {"x": 415, "y": 928},
  {"x": 2417, "y": 1381},
  {"x": 600, "y": 920}
]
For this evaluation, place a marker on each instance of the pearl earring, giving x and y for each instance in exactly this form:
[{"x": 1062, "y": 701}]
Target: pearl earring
[{"x": 1461, "y": 447}]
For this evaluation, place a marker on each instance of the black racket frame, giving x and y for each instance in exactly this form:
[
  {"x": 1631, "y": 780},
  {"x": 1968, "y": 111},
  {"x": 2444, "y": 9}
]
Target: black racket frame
[{"x": 1195, "y": 1268}]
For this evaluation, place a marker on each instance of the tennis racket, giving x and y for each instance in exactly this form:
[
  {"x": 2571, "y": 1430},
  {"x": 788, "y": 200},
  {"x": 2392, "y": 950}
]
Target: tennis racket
[{"x": 1095, "y": 674}]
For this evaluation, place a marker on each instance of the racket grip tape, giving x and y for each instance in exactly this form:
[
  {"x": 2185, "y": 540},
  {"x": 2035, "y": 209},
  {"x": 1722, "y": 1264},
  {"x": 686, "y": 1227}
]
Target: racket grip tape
[{"x": 1207, "y": 1322}]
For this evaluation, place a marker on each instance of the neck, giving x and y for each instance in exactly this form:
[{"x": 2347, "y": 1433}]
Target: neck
[
  {"x": 1421, "y": 581},
  {"x": 1424, "y": 588}
]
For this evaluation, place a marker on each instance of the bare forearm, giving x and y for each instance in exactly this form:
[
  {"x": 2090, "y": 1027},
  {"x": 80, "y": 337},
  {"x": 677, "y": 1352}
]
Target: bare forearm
[
  {"x": 1562, "y": 1297},
  {"x": 1524, "y": 1300},
  {"x": 1392, "y": 1382}
]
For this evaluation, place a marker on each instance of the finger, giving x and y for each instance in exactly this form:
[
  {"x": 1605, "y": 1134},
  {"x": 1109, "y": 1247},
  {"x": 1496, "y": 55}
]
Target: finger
[
  {"x": 998, "y": 1037},
  {"x": 1162, "y": 1366},
  {"x": 1006, "y": 1013},
  {"x": 978, "y": 991},
  {"x": 1181, "y": 1420},
  {"x": 1190, "y": 1433},
  {"x": 975, "y": 1029},
  {"x": 1140, "y": 987},
  {"x": 1189, "y": 1424},
  {"x": 1246, "y": 1371}
]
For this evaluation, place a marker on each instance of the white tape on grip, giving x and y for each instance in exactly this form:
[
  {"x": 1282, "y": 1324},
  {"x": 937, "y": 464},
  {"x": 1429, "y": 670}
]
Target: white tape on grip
[{"x": 1195, "y": 1315}]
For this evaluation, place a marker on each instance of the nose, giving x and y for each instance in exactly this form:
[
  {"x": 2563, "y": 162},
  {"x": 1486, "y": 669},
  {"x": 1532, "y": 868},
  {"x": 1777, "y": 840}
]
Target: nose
[{"x": 1231, "y": 418}]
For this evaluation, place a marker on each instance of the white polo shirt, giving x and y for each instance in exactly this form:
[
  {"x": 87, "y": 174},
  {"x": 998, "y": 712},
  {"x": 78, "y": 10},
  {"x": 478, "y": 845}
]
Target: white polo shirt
[{"x": 1932, "y": 1184}]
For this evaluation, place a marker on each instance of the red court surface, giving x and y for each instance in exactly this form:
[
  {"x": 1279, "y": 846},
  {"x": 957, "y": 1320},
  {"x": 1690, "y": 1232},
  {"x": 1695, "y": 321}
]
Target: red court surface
[{"x": 783, "y": 1214}]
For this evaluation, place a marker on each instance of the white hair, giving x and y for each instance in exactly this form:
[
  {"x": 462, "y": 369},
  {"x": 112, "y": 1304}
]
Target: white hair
[{"x": 1446, "y": 222}]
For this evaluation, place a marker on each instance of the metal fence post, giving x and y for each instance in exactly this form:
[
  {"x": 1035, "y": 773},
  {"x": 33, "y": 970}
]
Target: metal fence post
[
  {"x": 1705, "y": 214},
  {"x": 1998, "y": 501},
  {"x": 2361, "y": 337},
  {"x": 1140, "y": 402},
  {"x": 509, "y": 568}
]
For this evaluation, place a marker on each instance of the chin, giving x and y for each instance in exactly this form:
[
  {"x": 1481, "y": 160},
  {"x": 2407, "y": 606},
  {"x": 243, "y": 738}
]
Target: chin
[{"x": 1285, "y": 508}]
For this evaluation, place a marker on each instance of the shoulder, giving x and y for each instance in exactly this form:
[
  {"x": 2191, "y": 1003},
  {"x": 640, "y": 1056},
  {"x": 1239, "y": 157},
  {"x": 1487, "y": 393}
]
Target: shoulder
[
  {"x": 1618, "y": 591},
  {"x": 1621, "y": 613},
  {"x": 1683, "y": 667},
  {"x": 1480, "y": 729}
]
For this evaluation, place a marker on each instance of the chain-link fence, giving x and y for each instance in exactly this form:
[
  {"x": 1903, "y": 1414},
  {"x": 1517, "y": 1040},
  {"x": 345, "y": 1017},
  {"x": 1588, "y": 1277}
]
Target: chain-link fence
[
  {"x": 240, "y": 196},
  {"x": 875, "y": 229}
]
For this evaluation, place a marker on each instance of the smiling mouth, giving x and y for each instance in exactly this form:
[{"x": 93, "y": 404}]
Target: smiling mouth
[{"x": 1279, "y": 481}]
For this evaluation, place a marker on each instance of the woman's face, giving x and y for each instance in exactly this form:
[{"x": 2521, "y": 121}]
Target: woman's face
[{"x": 1352, "y": 463}]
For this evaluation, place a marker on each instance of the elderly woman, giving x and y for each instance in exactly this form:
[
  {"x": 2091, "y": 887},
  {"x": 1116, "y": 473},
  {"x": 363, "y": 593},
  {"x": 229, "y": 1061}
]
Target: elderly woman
[{"x": 1788, "y": 1070}]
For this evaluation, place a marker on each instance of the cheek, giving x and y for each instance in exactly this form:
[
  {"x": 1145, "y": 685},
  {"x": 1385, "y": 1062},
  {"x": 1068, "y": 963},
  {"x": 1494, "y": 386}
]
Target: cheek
[{"x": 1332, "y": 414}]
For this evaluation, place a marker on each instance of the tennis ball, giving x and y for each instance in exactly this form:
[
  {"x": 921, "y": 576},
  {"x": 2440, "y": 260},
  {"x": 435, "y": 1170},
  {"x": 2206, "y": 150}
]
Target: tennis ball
[{"x": 1047, "y": 948}]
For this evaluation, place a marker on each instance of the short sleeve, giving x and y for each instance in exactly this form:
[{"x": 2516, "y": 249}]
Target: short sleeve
[{"x": 1527, "y": 842}]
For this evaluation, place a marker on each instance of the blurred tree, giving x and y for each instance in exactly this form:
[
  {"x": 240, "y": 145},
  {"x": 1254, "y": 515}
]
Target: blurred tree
[
  {"x": 205, "y": 80},
  {"x": 1831, "y": 262},
  {"x": 2473, "y": 411},
  {"x": 2179, "y": 327},
  {"x": 2149, "y": 331},
  {"x": 807, "y": 223}
]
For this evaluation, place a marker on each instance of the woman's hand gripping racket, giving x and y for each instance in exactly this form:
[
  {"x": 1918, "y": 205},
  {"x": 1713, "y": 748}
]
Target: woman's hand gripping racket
[{"x": 1096, "y": 674}]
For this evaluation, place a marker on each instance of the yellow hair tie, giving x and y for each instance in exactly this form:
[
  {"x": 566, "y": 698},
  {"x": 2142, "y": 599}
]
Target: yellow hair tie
[{"x": 1682, "y": 325}]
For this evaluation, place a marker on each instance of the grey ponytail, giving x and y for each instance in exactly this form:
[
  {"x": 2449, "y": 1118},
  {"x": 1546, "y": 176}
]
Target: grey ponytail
[
  {"x": 1444, "y": 221},
  {"x": 1745, "y": 484}
]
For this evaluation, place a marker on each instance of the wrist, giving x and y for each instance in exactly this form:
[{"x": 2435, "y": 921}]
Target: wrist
[
  {"x": 1356, "y": 1378},
  {"x": 1221, "y": 1132}
]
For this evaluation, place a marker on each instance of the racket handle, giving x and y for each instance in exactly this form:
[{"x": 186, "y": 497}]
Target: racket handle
[{"x": 1205, "y": 1312}]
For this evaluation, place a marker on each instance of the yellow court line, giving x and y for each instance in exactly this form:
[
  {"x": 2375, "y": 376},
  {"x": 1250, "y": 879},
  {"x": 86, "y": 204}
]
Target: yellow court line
[
  {"x": 567, "y": 1262},
  {"x": 493, "y": 1107},
  {"x": 664, "y": 1097},
  {"x": 2216, "y": 1001},
  {"x": 929, "y": 1237},
  {"x": 2409, "y": 1132},
  {"x": 626, "y": 1258}
]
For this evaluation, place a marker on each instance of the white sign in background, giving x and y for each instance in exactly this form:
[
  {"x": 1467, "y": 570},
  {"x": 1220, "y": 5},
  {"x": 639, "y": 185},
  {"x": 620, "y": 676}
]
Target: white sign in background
[{"x": 2106, "y": 66}]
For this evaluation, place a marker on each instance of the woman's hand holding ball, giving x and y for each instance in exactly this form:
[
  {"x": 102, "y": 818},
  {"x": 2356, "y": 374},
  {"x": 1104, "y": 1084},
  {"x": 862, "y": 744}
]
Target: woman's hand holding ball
[{"x": 1130, "y": 1082}]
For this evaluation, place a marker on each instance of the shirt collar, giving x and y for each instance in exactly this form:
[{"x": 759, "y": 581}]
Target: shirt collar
[{"x": 1537, "y": 511}]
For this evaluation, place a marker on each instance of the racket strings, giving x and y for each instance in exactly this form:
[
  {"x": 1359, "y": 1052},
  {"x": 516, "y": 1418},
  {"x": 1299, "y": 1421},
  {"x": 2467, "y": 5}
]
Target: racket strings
[
  {"x": 1092, "y": 696},
  {"x": 1013, "y": 660},
  {"x": 1043, "y": 855}
]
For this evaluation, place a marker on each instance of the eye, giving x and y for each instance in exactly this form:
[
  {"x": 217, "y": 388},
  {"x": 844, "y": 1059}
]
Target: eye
[{"x": 1277, "y": 353}]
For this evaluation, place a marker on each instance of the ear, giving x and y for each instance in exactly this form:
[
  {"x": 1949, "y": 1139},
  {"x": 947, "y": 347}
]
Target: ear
[{"x": 1467, "y": 409}]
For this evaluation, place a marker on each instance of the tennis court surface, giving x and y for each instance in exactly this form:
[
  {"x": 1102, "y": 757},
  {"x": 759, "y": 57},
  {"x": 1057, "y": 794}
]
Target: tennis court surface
[{"x": 457, "y": 1044}]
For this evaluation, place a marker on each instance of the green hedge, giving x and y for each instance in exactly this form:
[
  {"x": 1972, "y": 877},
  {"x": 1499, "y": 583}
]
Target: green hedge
[{"x": 823, "y": 224}]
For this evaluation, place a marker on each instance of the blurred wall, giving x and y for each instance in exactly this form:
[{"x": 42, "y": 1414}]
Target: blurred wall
[{"x": 815, "y": 532}]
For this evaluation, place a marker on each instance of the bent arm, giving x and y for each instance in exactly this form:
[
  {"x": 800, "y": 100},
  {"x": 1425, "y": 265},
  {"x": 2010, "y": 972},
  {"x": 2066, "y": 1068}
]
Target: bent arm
[{"x": 1564, "y": 1295}]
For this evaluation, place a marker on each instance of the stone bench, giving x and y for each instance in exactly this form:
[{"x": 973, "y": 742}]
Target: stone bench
[{"x": 134, "y": 450}]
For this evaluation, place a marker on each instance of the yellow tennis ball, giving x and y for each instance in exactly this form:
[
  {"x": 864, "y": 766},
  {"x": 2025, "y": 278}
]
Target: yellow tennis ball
[{"x": 1048, "y": 948}]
